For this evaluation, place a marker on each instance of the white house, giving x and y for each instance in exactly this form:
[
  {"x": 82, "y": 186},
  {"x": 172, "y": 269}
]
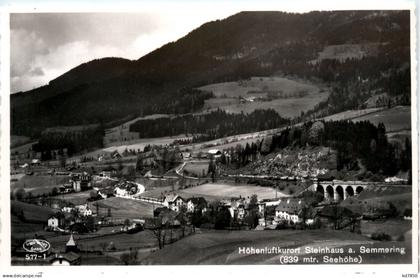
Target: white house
[
  {"x": 241, "y": 212},
  {"x": 120, "y": 192},
  {"x": 186, "y": 155},
  {"x": 214, "y": 153},
  {"x": 174, "y": 202},
  {"x": 35, "y": 162},
  {"x": 67, "y": 209},
  {"x": 105, "y": 174},
  {"x": 84, "y": 210},
  {"x": 196, "y": 202},
  {"x": 289, "y": 210},
  {"x": 53, "y": 222}
]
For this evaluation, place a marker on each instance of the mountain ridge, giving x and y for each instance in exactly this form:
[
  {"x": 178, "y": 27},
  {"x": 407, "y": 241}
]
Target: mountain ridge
[{"x": 230, "y": 49}]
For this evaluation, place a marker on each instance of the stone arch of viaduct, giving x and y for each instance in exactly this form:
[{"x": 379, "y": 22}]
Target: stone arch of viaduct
[{"x": 339, "y": 190}]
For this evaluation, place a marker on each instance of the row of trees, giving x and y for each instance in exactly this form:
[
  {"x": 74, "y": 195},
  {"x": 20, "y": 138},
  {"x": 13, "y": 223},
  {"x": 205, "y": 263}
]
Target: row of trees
[
  {"x": 215, "y": 124},
  {"x": 72, "y": 141},
  {"x": 353, "y": 141}
]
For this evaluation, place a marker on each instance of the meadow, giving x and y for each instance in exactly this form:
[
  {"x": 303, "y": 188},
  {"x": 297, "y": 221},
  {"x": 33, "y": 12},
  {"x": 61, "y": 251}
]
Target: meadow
[
  {"x": 222, "y": 247},
  {"x": 39, "y": 184},
  {"x": 394, "y": 119},
  {"x": 222, "y": 191},
  {"x": 196, "y": 168},
  {"x": 292, "y": 96},
  {"x": 351, "y": 114},
  {"x": 124, "y": 208}
]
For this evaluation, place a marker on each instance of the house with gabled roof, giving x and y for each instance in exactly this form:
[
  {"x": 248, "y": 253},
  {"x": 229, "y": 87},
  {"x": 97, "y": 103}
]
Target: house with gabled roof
[
  {"x": 53, "y": 222},
  {"x": 195, "y": 203},
  {"x": 289, "y": 210},
  {"x": 174, "y": 201}
]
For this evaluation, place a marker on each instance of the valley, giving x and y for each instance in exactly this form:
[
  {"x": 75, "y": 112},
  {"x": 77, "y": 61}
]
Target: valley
[{"x": 261, "y": 130}]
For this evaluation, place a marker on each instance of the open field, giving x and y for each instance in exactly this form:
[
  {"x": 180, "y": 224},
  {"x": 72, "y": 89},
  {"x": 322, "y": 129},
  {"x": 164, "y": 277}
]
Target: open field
[
  {"x": 39, "y": 184},
  {"x": 33, "y": 212},
  {"x": 350, "y": 114},
  {"x": 222, "y": 247},
  {"x": 394, "y": 119},
  {"x": 197, "y": 168},
  {"x": 290, "y": 97},
  {"x": 19, "y": 227},
  {"x": 342, "y": 52},
  {"x": 121, "y": 133},
  {"x": 221, "y": 191},
  {"x": 77, "y": 198},
  {"x": 393, "y": 227},
  {"x": 126, "y": 208},
  {"x": 141, "y": 143},
  {"x": 259, "y": 84},
  {"x": 92, "y": 241},
  {"x": 288, "y": 108},
  {"x": 400, "y": 201}
]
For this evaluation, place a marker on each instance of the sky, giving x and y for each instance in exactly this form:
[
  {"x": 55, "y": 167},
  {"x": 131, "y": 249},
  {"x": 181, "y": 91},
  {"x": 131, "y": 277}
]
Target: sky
[{"x": 46, "y": 45}]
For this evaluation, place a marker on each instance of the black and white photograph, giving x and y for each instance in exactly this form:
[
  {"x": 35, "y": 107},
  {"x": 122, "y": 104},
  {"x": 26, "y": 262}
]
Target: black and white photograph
[{"x": 218, "y": 137}]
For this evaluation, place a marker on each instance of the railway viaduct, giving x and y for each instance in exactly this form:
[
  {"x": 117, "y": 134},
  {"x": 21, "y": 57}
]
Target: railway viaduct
[{"x": 338, "y": 190}]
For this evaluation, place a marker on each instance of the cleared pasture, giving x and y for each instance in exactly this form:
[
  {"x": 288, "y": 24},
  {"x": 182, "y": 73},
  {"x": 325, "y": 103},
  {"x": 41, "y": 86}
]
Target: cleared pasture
[
  {"x": 289, "y": 108},
  {"x": 342, "y": 52},
  {"x": 393, "y": 227},
  {"x": 394, "y": 119},
  {"x": 33, "y": 212},
  {"x": 77, "y": 198},
  {"x": 291, "y": 96},
  {"x": 259, "y": 84},
  {"x": 39, "y": 184},
  {"x": 125, "y": 208},
  {"x": 197, "y": 168},
  {"x": 221, "y": 191},
  {"x": 350, "y": 114},
  {"x": 141, "y": 143}
]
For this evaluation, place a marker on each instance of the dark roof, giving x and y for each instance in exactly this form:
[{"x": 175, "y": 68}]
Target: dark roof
[
  {"x": 290, "y": 205},
  {"x": 197, "y": 200},
  {"x": 160, "y": 209}
]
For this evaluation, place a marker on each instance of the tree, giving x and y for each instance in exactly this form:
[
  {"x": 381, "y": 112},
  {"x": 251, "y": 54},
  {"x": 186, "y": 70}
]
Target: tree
[
  {"x": 223, "y": 218},
  {"x": 139, "y": 164},
  {"x": 305, "y": 214},
  {"x": 252, "y": 217},
  {"x": 54, "y": 191},
  {"x": 93, "y": 195},
  {"x": 20, "y": 194},
  {"x": 158, "y": 231},
  {"x": 127, "y": 222},
  {"x": 90, "y": 223},
  {"x": 125, "y": 258},
  {"x": 336, "y": 216},
  {"x": 253, "y": 201},
  {"x": 212, "y": 170},
  {"x": 197, "y": 218},
  {"x": 63, "y": 159},
  {"x": 182, "y": 218},
  {"x": 103, "y": 245},
  {"x": 266, "y": 144}
]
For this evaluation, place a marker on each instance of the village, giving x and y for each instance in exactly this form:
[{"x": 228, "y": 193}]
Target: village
[{"x": 170, "y": 194}]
